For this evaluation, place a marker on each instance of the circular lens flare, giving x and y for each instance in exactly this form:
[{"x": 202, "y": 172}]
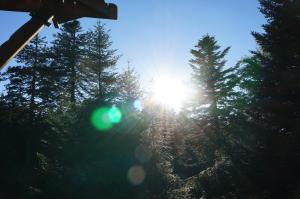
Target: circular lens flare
[
  {"x": 103, "y": 118},
  {"x": 138, "y": 105},
  {"x": 115, "y": 115},
  {"x": 136, "y": 175}
]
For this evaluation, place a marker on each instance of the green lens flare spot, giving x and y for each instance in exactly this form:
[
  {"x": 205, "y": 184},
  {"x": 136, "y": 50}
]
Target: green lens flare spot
[
  {"x": 115, "y": 115},
  {"x": 104, "y": 118},
  {"x": 100, "y": 119}
]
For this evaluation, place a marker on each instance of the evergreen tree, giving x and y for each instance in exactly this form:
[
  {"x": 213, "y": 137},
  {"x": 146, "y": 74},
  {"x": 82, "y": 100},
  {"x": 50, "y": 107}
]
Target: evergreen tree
[
  {"x": 279, "y": 93},
  {"x": 211, "y": 118},
  {"x": 30, "y": 94},
  {"x": 214, "y": 84},
  {"x": 15, "y": 90},
  {"x": 277, "y": 108},
  {"x": 31, "y": 83},
  {"x": 67, "y": 52},
  {"x": 128, "y": 86},
  {"x": 248, "y": 78},
  {"x": 99, "y": 62}
]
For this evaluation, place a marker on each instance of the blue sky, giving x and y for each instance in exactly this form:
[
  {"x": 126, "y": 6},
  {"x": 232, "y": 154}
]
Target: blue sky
[{"x": 156, "y": 35}]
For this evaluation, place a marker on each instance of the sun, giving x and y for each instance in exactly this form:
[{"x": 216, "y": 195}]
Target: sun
[{"x": 170, "y": 92}]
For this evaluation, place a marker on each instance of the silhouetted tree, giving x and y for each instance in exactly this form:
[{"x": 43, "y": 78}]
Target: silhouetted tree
[
  {"x": 31, "y": 84},
  {"x": 214, "y": 84},
  {"x": 277, "y": 109},
  {"x": 67, "y": 51},
  {"x": 128, "y": 87},
  {"x": 30, "y": 94},
  {"x": 99, "y": 62},
  {"x": 249, "y": 79}
]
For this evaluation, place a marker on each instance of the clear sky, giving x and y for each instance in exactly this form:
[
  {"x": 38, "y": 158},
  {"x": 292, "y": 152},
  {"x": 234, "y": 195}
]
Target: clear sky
[{"x": 156, "y": 35}]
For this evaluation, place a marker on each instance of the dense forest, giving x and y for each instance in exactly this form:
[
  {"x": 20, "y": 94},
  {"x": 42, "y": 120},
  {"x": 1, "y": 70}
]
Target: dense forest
[{"x": 75, "y": 126}]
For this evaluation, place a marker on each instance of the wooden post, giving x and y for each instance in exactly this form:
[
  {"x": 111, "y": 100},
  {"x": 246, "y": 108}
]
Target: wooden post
[{"x": 21, "y": 37}]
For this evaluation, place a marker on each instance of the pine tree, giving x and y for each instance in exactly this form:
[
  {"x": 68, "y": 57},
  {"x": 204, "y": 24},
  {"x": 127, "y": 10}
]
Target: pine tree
[
  {"x": 30, "y": 84},
  {"x": 214, "y": 84},
  {"x": 30, "y": 94},
  {"x": 210, "y": 115},
  {"x": 99, "y": 61},
  {"x": 128, "y": 86},
  {"x": 249, "y": 79},
  {"x": 279, "y": 94},
  {"x": 15, "y": 90},
  {"x": 67, "y": 52},
  {"x": 277, "y": 109}
]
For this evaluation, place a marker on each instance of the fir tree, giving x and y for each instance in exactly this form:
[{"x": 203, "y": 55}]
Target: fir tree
[
  {"x": 279, "y": 93},
  {"x": 99, "y": 61},
  {"x": 30, "y": 83},
  {"x": 214, "y": 84},
  {"x": 30, "y": 94},
  {"x": 67, "y": 52},
  {"x": 249, "y": 78},
  {"x": 128, "y": 86},
  {"x": 277, "y": 105}
]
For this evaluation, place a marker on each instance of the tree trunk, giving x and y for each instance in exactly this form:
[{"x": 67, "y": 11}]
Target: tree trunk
[
  {"x": 29, "y": 143},
  {"x": 73, "y": 85},
  {"x": 33, "y": 86},
  {"x": 73, "y": 73},
  {"x": 99, "y": 84}
]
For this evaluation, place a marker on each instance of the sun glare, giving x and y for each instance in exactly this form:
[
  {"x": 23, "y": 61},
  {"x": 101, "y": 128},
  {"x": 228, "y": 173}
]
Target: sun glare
[{"x": 169, "y": 92}]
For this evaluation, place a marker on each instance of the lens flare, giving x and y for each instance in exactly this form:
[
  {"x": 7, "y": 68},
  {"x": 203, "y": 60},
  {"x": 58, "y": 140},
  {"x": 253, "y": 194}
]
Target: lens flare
[
  {"x": 115, "y": 115},
  {"x": 104, "y": 118},
  {"x": 136, "y": 175},
  {"x": 138, "y": 105}
]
